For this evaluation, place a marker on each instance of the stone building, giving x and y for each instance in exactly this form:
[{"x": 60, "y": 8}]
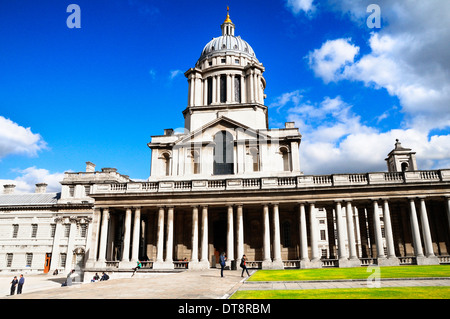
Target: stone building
[{"x": 229, "y": 183}]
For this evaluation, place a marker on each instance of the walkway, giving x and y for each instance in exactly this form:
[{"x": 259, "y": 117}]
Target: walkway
[{"x": 185, "y": 285}]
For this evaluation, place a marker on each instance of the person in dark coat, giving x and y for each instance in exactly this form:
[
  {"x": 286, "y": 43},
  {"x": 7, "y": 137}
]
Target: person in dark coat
[
  {"x": 14, "y": 283},
  {"x": 20, "y": 285},
  {"x": 244, "y": 265}
]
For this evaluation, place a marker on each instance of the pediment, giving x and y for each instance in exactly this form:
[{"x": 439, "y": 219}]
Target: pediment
[{"x": 205, "y": 134}]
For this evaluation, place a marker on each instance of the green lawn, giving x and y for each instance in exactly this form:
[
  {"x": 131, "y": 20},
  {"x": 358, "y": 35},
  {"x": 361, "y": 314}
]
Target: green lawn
[
  {"x": 351, "y": 273},
  {"x": 351, "y": 293}
]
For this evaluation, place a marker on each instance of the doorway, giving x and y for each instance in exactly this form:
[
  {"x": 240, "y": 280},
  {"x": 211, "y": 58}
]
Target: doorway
[{"x": 48, "y": 259}]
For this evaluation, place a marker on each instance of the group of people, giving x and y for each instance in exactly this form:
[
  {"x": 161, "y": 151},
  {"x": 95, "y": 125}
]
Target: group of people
[
  {"x": 96, "y": 277},
  {"x": 243, "y": 264},
  {"x": 17, "y": 282}
]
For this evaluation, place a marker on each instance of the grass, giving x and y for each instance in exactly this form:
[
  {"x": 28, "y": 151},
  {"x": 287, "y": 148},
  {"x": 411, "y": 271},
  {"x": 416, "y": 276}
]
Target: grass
[
  {"x": 351, "y": 273},
  {"x": 360, "y": 273},
  {"x": 348, "y": 293}
]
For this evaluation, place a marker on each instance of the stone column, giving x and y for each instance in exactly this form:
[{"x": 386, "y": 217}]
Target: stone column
[
  {"x": 71, "y": 243},
  {"x": 388, "y": 231},
  {"x": 169, "y": 239},
  {"x": 92, "y": 241},
  {"x": 204, "y": 256},
  {"x": 230, "y": 236},
  {"x": 277, "y": 262},
  {"x": 126, "y": 236},
  {"x": 426, "y": 229},
  {"x": 342, "y": 251},
  {"x": 57, "y": 239},
  {"x": 240, "y": 233},
  {"x": 267, "y": 262},
  {"x": 160, "y": 243},
  {"x": 103, "y": 236},
  {"x": 377, "y": 231},
  {"x": 314, "y": 230},
  {"x": 194, "y": 257},
  {"x": 303, "y": 235},
  {"x": 351, "y": 232},
  {"x": 136, "y": 235},
  {"x": 415, "y": 229}
]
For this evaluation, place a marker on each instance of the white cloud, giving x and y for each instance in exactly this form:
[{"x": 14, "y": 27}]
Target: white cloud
[
  {"x": 296, "y": 6},
  {"x": 16, "y": 139},
  {"x": 174, "y": 73},
  {"x": 329, "y": 61},
  {"x": 25, "y": 183}
]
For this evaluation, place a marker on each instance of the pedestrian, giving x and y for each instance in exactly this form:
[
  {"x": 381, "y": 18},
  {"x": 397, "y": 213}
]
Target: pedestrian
[
  {"x": 14, "y": 282},
  {"x": 20, "y": 285},
  {"x": 138, "y": 266},
  {"x": 244, "y": 265},
  {"x": 95, "y": 278},
  {"x": 222, "y": 260}
]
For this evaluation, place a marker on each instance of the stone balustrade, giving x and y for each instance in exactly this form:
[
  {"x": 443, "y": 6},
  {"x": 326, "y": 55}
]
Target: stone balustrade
[{"x": 299, "y": 182}]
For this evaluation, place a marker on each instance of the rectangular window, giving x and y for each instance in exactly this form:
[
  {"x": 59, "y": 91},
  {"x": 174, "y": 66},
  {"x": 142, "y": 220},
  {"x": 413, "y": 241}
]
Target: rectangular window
[
  {"x": 52, "y": 230},
  {"x": 87, "y": 190},
  {"x": 71, "y": 191},
  {"x": 324, "y": 253},
  {"x": 237, "y": 89},
  {"x": 62, "y": 260},
  {"x": 210, "y": 90},
  {"x": 9, "y": 259},
  {"x": 34, "y": 228},
  {"x": 15, "y": 230},
  {"x": 223, "y": 88},
  {"x": 83, "y": 230},
  {"x": 322, "y": 235},
  {"x": 29, "y": 259},
  {"x": 66, "y": 230}
]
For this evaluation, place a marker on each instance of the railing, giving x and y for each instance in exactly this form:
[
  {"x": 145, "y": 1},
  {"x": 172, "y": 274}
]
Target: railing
[
  {"x": 368, "y": 261},
  {"x": 112, "y": 264},
  {"x": 444, "y": 259},
  {"x": 291, "y": 264},
  {"x": 407, "y": 260},
  {"x": 181, "y": 264},
  {"x": 327, "y": 263},
  {"x": 299, "y": 182},
  {"x": 254, "y": 264}
]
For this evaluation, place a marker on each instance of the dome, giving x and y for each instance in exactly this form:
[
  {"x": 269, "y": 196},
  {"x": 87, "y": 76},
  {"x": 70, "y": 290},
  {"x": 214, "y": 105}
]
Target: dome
[{"x": 228, "y": 43}]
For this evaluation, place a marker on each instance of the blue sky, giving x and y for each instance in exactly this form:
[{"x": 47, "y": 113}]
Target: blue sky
[{"x": 99, "y": 92}]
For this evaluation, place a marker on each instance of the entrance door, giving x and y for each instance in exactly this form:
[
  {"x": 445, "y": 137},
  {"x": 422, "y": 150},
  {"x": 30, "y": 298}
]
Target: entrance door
[{"x": 48, "y": 259}]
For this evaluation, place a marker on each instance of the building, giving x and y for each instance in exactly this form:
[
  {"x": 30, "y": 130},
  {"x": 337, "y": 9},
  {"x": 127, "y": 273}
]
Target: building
[{"x": 229, "y": 183}]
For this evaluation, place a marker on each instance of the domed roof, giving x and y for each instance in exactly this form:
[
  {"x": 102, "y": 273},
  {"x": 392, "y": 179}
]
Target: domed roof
[{"x": 227, "y": 43}]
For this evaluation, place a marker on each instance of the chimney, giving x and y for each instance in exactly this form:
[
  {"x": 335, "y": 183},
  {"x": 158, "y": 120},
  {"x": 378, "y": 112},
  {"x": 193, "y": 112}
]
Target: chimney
[
  {"x": 90, "y": 167},
  {"x": 41, "y": 188},
  {"x": 8, "y": 188}
]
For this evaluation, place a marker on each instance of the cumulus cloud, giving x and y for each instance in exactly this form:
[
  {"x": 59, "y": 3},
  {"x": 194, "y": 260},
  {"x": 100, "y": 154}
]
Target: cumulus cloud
[
  {"x": 29, "y": 177},
  {"x": 16, "y": 139}
]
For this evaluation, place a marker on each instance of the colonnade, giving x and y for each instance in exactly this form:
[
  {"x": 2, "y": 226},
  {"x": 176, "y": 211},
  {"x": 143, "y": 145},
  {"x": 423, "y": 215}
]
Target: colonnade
[
  {"x": 250, "y": 90},
  {"x": 347, "y": 252}
]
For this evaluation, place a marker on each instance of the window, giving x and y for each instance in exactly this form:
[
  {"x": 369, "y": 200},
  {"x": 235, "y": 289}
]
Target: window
[
  {"x": 52, "y": 230},
  {"x": 15, "y": 230},
  {"x": 223, "y": 60},
  {"x": 66, "y": 230},
  {"x": 62, "y": 260},
  {"x": 255, "y": 158},
  {"x": 285, "y": 156},
  {"x": 236, "y": 61},
  {"x": 237, "y": 88},
  {"x": 9, "y": 259},
  {"x": 323, "y": 235},
  {"x": 71, "y": 191},
  {"x": 34, "y": 228},
  {"x": 82, "y": 228},
  {"x": 195, "y": 162},
  {"x": 29, "y": 259},
  {"x": 223, "y": 89},
  {"x": 210, "y": 90},
  {"x": 324, "y": 254},
  {"x": 87, "y": 190},
  {"x": 166, "y": 159},
  {"x": 223, "y": 153}
]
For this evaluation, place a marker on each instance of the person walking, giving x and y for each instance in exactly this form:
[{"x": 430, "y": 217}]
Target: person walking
[
  {"x": 222, "y": 260},
  {"x": 244, "y": 265},
  {"x": 13, "y": 283},
  {"x": 20, "y": 285}
]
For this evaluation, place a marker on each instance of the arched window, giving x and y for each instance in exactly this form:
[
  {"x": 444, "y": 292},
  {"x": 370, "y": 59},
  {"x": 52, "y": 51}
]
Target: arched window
[
  {"x": 223, "y": 153},
  {"x": 195, "y": 162},
  {"x": 286, "y": 158},
  {"x": 166, "y": 159},
  {"x": 404, "y": 166}
]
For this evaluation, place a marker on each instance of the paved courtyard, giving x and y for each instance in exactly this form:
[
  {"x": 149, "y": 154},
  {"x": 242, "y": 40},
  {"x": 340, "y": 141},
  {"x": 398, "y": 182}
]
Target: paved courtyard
[{"x": 205, "y": 284}]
